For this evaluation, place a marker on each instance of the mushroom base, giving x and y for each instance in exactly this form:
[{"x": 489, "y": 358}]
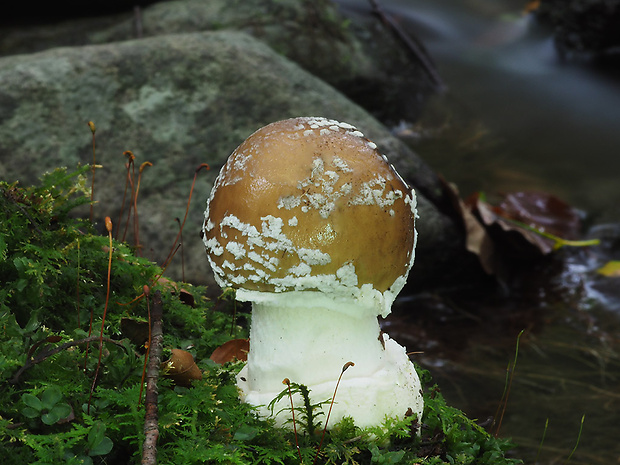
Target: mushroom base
[{"x": 309, "y": 343}]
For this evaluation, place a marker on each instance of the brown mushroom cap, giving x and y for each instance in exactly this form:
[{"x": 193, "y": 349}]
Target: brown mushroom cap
[{"x": 309, "y": 204}]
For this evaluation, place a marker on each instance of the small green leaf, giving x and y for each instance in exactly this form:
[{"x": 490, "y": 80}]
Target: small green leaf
[
  {"x": 50, "y": 418},
  {"x": 50, "y": 397},
  {"x": 32, "y": 325},
  {"x": 96, "y": 435},
  {"x": 246, "y": 433},
  {"x": 29, "y": 412},
  {"x": 61, "y": 410},
  {"x": 104, "y": 447},
  {"x": 32, "y": 401}
]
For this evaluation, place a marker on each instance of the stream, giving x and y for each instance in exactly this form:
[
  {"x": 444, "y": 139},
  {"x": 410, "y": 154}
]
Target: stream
[{"x": 520, "y": 120}]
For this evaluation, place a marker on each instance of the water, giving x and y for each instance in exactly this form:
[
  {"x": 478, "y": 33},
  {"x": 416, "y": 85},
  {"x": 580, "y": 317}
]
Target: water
[
  {"x": 550, "y": 126},
  {"x": 516, "y": 118}
]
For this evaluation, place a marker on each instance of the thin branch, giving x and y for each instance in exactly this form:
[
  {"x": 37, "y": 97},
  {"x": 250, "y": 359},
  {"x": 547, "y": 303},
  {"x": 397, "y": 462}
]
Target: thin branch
[
  {"x": 47, "y": 353},
  {"x": 151, "y": 428},
  {"x": 415, "y": 47}
]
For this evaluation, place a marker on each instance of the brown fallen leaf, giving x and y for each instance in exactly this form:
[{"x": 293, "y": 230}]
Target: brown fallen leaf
[
  {"x": 537, "y": 218},
  {"x": 187, "y": 298},
  {"x": 235, "y": 349},
  {"x": 182, "y": 368}
]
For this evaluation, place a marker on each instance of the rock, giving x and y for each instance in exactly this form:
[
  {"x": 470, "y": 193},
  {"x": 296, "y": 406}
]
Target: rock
[
  {"x": 179, "y": 100},
  {"x": 583, "y": 29},
  {"x": 357, "y": 53}
]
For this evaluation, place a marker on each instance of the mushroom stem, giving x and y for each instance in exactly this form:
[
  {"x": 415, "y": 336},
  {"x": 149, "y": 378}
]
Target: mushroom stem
[{"x": 302, "y": 336}]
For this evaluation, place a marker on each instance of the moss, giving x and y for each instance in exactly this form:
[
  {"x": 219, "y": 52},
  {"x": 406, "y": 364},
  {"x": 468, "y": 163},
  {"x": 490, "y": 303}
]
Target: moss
[{"x": 54, "y": 274}]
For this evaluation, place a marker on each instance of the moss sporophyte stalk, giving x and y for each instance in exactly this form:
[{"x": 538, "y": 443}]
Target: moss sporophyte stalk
[{"x": 55, "y": 408}]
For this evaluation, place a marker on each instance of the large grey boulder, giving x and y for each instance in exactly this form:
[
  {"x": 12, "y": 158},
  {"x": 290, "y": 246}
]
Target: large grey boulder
[
  {"x": 354, "y": 52},
  {"x": 179, "y": 100},
  {"x": 176, "y": 101}
]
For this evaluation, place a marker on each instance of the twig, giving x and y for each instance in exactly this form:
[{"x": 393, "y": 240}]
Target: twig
[
  {"x": 146, "y": 292},
  {"x": 416, "y": 49},
  {"x": 189, "y": 199},
  {"x": 151, "y": 429},
  {"x": 137, "y": 20},
  {"x": 182, "y": 252},
  {"x": 45, "y": 354}
]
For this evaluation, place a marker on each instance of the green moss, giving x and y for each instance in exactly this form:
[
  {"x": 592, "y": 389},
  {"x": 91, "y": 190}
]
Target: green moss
[{"x": 54, "y": 273}]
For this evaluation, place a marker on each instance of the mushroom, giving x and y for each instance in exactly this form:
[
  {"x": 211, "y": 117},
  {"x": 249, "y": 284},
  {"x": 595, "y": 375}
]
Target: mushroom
[{"x": 313, "y": 226}]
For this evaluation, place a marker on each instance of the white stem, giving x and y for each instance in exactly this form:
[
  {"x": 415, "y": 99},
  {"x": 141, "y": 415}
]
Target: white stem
[{"x": 307, "y": 338}]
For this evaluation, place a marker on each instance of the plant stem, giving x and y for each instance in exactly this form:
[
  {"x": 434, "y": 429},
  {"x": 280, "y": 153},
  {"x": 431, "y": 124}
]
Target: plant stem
[
  {"x": 290, "y": 396},
  {"x": 509, "y": 376},
  {"x": 583, "y": 417},
  {"x": 108, "y": 226}
]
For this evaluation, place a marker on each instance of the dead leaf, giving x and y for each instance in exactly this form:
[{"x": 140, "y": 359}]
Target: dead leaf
[
  {"x": 535, "y": 217},
  {"x": 182, "y": 368},
  {"x": 235, "y": 349},
  {"x": 186, "y": 298},
  {"x": 166, "y": 284},
  {"x": 477, "y": 239},
  {"x": 543, "y": 212},
  {"x": 611, "y": 269},
  {"x": 136, "y": 331}
]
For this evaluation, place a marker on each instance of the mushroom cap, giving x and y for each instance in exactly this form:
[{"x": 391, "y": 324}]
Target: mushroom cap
[{"x": 310, "y": 204}]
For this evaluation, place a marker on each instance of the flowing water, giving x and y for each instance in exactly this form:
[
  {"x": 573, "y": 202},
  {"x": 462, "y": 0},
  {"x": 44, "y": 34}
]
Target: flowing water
[{"x": 516, "y": 118}]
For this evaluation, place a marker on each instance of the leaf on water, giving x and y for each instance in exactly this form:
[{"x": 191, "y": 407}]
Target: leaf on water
[
  {"x": 236, "y": 349},
  {"x": 540, "y": 219},
  {"x": 611, "y": 269}
]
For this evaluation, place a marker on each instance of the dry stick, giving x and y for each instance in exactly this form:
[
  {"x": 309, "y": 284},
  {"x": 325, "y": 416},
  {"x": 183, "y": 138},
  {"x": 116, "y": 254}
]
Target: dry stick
[
  {"x": 108, "y": 226},
  {"x": 182, "y": 252},
  {"x": 415, "y": 47},
  {"x": 137, "y": 21},
  {"x": 77, "y": 296},
  {"x": 46, "y": 353},
  {"x": 146, "y": 292},
  {"x": 91, "y": 125},
  {"x": 151, "y": 429},
  {"x": 191, "y": 191},
  {"x": 128, "y": 181},
  {"x": 136, "y": 226}
]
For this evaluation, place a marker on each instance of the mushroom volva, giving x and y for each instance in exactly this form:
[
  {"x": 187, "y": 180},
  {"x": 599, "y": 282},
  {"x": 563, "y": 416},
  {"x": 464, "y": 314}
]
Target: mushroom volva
[{"x": 313, "y": 226}]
